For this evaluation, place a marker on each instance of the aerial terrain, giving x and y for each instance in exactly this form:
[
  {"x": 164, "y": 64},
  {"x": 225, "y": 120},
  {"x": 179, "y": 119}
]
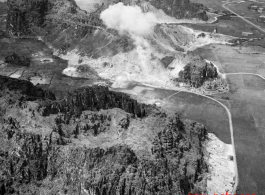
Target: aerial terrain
[{"x": 132, "y": 97}]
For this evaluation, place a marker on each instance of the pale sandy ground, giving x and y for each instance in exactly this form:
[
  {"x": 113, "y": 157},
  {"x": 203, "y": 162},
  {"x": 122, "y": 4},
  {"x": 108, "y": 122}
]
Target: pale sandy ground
[
  {"x": 17, "y": 74},
  {"x": 221, "y": 167},
  {"x": 40, "y": 80}
]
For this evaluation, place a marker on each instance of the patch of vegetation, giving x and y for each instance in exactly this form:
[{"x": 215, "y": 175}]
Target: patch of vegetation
[{"x": 17, "y": 60}]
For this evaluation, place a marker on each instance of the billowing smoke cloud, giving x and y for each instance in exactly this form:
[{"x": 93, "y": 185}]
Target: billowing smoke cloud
[{"x": 129, "y": 19}]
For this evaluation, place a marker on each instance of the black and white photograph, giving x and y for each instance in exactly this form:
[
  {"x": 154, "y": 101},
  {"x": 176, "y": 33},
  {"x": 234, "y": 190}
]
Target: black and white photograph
[{"x": 132, "y": 97}]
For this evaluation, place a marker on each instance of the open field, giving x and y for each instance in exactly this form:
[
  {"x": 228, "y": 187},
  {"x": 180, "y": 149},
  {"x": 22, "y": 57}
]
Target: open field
[
  {"x": 235, "y": 59},
  {"x": 214, "y": 4},
  {"x": 203, "y": 110},
  {"x": 242, "y": 9},
  {"x": 232, "y": 27},
  {"x": 246, "y": 101},
  {"x": 195, "y": 107},
  {"x": 235, "y": 26},
  {"x": 247, "y": 105},
  {"x": 253, "y": 82}
]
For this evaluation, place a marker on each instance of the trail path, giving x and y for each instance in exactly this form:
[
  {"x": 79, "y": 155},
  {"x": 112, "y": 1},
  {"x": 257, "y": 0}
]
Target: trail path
[
  {"x": 230, "y": 126},
  {"x": 229, "y": 117}
]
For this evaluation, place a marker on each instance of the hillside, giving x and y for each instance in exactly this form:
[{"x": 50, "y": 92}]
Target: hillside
[
  {"x": 84, "y": 38},
  {"x": 95, "y": 142},
  {"x": 60, "y": 134}
]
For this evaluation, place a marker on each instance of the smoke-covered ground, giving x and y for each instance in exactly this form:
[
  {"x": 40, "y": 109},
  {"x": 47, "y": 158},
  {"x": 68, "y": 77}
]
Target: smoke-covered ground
[{"x": 152, "y": 42}]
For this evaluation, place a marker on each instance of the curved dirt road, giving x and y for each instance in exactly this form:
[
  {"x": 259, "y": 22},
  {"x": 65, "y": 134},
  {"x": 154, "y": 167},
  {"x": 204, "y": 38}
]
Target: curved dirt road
[
  {"x": 231, "y": 131},
  {"x": 229, "y": 117}
]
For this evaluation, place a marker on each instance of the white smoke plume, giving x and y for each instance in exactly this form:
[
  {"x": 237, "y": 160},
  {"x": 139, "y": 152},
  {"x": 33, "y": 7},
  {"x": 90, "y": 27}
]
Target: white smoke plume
[{"x": 131, "y": 20}]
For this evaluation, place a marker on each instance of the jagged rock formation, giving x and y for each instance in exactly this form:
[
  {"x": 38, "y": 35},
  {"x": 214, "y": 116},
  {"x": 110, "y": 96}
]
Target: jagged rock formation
[
  {"x": 95, "y": 99},
  {"x": 196, "y": 75},
  {"x": 86, "y": 144},
  {"x": 23, "y": 15}
]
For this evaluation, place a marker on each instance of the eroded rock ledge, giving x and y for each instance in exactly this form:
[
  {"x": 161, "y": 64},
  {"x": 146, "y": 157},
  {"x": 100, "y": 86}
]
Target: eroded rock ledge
[{"x": 95, "y": 142}]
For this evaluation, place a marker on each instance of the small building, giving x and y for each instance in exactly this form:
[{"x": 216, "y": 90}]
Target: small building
[
  {"x": 261, "y": 18},
  {"x": 253, "y": 7},
  {"x": 247, "y": 33}
]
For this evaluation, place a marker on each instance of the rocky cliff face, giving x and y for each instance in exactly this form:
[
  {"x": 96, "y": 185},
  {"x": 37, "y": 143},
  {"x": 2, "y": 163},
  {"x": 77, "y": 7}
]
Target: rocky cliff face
[
  {"x": 23, "y": 15},
  {"x": 95, "y": 99},
  {"x": 94, "y": 142},
  {"x": 196, "y": 75}
]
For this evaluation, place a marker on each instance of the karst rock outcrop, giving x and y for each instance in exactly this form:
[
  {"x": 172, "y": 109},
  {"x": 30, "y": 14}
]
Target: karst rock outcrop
[{"x": 95, "y": 141}]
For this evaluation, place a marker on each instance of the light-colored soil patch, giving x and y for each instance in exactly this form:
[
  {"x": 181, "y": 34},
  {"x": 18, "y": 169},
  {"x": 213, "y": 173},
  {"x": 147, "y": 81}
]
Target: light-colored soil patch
[
  {"x": 40, "y": 80},
  {"x": 17, "y": 74},
  {"x": 221, "y": 166}
]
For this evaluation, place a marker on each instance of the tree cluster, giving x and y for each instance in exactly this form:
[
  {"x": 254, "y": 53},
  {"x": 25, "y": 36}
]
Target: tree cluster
[{"x": 17, "y": 60}]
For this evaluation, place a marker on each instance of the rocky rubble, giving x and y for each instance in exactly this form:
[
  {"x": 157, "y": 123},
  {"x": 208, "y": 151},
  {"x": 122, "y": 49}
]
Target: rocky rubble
[
  {"x": 58, "y": 159},
  {"x": 196, "y": 75}
]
